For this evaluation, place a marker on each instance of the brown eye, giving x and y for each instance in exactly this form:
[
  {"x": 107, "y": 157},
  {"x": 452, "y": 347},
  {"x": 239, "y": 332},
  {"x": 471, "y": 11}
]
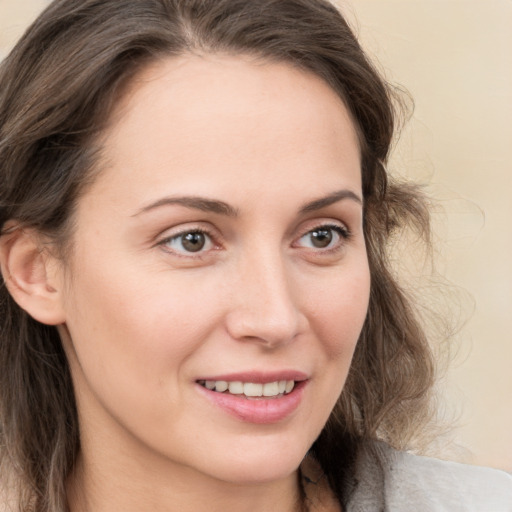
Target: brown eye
[
  {"x": 324, "y": 237},
  {"x": 189, "y": 242},
  {"x": 321, "y": 238},
  {"x": 193, "y": 242}
]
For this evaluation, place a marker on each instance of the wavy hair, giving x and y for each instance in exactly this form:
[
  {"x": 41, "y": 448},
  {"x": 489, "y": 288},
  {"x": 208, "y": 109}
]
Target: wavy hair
[{"x": 57, "y": 88}]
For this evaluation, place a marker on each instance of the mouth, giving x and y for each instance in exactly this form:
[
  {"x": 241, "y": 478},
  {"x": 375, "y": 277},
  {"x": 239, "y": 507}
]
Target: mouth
[
  {"x": 251, "y": 390},
  {"x": 255, "y": 397}
]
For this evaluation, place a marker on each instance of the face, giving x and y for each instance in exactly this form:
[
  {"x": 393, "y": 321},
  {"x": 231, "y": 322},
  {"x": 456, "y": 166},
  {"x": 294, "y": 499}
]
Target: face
[{"x": 220, "y": 247}]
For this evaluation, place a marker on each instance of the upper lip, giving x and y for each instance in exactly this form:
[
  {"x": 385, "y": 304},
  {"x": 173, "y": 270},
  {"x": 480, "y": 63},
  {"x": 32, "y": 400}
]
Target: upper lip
[{"x": 258, "y": 377}]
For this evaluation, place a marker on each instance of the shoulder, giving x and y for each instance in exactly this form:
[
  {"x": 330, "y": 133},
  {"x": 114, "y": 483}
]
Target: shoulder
[
  {"x": 447, "y": 486},
  {"x": 391, "y": 480}
]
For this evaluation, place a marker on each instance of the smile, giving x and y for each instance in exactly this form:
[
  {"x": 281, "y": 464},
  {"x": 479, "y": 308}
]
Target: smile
[
  {"x": 265, "y": 401},
  {"x": 273, "y": 389}
]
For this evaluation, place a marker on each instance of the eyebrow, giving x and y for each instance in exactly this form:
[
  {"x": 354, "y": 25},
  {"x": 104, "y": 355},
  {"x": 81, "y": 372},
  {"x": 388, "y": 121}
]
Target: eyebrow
[
  {"x": 196, "y": 203},
  {"x": 222, "y": 208},
  {"x": 323, "y": 202}
]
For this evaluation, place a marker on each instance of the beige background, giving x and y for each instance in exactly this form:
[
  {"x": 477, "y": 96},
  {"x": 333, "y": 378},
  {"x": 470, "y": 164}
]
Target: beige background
[{"x": 455, "y": 58}]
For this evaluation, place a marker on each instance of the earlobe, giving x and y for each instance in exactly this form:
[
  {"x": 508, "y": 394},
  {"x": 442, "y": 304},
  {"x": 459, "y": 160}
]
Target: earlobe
[{"x": 29, "y": 272}]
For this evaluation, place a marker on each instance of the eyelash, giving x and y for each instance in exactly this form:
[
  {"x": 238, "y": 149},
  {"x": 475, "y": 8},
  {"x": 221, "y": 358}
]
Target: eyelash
[
  {"x": 189, "y": 254},
  {"x": 343, "y": 233}
]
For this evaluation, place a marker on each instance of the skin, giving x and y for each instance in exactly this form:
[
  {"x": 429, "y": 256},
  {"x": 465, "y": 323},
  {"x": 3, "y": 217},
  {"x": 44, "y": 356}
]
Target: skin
[{"x": 144, "y": 318}]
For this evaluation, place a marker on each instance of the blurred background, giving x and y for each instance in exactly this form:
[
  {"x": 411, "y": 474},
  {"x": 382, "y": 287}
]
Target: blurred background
[{"x": 454, "y": 57}]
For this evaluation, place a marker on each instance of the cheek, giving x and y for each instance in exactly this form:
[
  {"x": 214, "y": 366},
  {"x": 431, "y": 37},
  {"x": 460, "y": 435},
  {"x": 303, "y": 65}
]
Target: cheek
[
  {"x": 339, "y": 311},
  {"x": 134, "y": 327},
  {"x": 133, "y": 338}
]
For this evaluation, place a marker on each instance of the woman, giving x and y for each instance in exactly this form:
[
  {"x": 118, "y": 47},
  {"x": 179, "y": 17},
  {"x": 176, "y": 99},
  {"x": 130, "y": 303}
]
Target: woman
[{"x": 198, "y": 311}]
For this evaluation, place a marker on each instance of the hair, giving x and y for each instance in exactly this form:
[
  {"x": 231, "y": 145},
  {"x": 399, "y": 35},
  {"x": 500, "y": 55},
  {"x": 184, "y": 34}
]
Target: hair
[{"x": 57, "y": 88}]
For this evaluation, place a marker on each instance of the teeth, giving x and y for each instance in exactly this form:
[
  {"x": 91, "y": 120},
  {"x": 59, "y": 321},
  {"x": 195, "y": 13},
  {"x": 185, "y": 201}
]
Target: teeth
[
  {"x": 251, "y": 389},
  {"x": 271, "y": 389},
  {"x": 220, "y": 386},
  {"x": 236, "y": 388}
]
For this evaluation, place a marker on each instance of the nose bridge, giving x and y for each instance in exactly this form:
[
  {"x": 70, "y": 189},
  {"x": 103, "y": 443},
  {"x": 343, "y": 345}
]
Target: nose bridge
[{"x": 264, "y": 306}]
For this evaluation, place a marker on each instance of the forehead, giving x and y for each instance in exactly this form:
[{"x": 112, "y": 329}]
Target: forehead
[{"x": 233, "y": 116}]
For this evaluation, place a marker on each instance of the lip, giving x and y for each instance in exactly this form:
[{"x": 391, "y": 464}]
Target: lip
[
  {"x": 259, "y": 410},
  {"x": 259, "y": 377}
]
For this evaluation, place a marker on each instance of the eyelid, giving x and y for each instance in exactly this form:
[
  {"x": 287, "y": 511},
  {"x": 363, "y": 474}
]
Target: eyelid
[{"x": 314, "y": 224}]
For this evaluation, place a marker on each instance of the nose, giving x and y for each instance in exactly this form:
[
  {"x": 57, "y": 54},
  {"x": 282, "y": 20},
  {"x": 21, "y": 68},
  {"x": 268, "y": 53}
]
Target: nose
[{"x": 264, "y": 305}]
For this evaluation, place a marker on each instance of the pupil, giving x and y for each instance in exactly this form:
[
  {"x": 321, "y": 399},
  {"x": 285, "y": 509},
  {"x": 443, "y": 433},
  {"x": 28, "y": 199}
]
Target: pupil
[
  {"x": 193, "y": 242},
  {"x": 321, "y": 237}
]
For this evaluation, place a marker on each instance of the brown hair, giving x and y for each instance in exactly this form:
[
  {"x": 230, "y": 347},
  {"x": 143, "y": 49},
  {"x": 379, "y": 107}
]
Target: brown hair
[{"x": 57, "y": 88}]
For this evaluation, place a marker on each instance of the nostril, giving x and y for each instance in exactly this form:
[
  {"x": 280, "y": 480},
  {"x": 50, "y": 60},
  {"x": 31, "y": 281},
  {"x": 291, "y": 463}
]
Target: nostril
[{"x": 268, "y": 330}]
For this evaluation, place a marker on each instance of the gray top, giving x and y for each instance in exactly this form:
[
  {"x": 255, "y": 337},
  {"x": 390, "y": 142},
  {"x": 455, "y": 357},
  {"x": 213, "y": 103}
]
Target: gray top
[{"x": 387, "y": 480}]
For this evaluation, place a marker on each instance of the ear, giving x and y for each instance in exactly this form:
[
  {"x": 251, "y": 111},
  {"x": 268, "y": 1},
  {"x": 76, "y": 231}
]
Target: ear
[{"x": 31, "y": 275}]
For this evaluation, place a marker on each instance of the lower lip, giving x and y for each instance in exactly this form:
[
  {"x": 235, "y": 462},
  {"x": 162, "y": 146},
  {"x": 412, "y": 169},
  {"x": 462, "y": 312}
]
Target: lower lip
[{"x": 259, "y": 410}]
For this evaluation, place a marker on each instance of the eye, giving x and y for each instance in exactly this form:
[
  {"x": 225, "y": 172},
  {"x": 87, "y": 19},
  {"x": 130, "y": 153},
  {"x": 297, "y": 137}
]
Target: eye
[
  {"x": 193, "y": 241},
  {"x": 324, "y": 237}
]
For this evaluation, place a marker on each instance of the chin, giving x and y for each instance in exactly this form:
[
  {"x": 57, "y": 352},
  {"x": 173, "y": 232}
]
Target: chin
[
  {"x": 258, "y": 472},
  {"x": 262, "y": 463}
]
